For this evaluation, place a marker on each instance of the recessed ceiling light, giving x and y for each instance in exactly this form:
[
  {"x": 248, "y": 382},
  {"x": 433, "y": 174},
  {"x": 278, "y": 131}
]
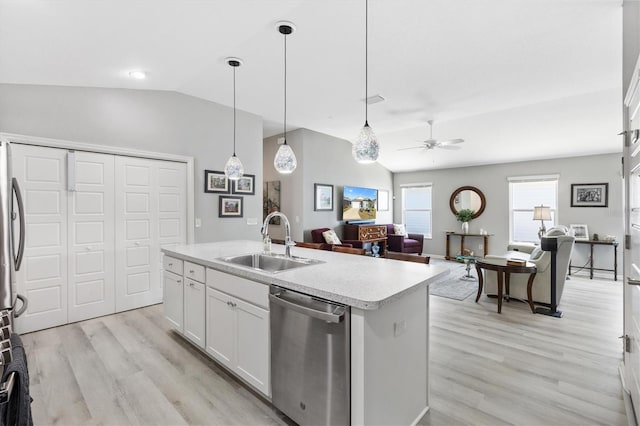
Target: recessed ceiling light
[{"x": 138, "y": 75}]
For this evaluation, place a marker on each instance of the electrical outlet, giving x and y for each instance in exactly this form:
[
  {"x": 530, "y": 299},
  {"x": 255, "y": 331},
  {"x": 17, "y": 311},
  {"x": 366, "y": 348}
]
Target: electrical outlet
[
  {"x": 399, "y": 328},
  {"x": 198, "y": 222},
  {"x": 252, "y": 221}
]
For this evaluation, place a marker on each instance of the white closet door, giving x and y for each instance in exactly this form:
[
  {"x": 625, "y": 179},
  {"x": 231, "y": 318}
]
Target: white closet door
[
  {"x": 172, "y": 210},
  {"x": 137, "y": 273},
  {"x": 42, "y": 278},
  {"x": 91, "y": 237}
]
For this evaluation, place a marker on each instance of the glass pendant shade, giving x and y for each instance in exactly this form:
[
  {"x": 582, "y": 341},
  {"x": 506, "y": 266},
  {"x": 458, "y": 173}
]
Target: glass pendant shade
[
  {"x": 285, "y": 161},
  {"x": 366, "y": 149},
  {"x": 234, "y": 168}
]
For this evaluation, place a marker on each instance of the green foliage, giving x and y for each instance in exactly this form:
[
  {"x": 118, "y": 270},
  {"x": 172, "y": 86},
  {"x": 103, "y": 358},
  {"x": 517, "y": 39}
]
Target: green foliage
[{"x": 465, "y": 215}]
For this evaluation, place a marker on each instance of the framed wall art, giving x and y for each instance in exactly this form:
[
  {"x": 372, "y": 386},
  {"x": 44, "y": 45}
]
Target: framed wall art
[
  {"x": 229, "y": 206},
  {"x": 245, "y": 185},
  {"x": 580, "y": 232},
  {"x": 216, "y": 182},
  {"x": 589, "y": 195},
  {"x": 323, "y": 199}
]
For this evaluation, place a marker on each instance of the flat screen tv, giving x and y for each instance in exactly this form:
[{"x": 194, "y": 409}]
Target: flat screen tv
[{"x": 359, "y": 204}]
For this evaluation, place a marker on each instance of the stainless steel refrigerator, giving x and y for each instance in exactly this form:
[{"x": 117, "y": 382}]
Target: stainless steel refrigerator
[{"x": 12, "y": 235}]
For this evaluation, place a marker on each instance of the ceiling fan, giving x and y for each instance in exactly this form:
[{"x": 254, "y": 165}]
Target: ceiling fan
[{"x": 432, "y": 143}]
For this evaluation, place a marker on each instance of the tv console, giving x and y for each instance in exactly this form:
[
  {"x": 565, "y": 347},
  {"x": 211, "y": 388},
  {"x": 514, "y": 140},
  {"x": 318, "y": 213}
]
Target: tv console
[{"x": 367, "y": 233}]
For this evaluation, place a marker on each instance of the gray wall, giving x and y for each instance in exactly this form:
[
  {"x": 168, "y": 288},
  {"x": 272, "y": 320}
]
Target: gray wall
[
  {"x": 156, "y": 121},
  {"x": 492, "y": 180},
  {"x": 321, "y": 159}
]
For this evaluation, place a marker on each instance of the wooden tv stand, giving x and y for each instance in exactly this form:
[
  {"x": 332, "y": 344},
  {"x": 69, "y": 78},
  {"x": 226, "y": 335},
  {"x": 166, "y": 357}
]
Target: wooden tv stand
[{"x": 367, "y": 234}]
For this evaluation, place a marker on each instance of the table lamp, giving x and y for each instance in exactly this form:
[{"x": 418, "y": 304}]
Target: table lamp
[{"x": 541, "y": 213}]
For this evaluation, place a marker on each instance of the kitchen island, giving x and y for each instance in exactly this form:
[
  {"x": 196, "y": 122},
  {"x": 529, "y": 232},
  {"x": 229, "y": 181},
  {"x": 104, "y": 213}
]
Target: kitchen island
[{"x": 389, "y": 318}]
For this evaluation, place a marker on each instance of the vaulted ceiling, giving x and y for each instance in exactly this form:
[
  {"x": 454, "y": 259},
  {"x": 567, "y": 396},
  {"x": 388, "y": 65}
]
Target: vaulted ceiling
[{"x": 517, "y": 79}]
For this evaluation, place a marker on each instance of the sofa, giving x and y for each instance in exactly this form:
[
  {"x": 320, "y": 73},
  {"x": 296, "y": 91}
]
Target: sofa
[
  {"x": 541, "y": 290},
  {"x": 317, "y": 237},
  {"x": 412, "y": 243}
]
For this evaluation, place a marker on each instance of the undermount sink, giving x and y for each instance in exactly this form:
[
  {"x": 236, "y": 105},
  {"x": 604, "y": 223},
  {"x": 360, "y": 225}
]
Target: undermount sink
[{"x": 270, "y": 262}]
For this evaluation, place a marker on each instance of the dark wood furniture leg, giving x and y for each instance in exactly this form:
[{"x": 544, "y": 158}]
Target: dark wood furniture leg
[
  {"x": 529, "y": 293},
  {"x": 507, "y": 278},
  {"x": 448, "y": 237},
  {"x": 480, "y": 282},
  {"x": 500, "y": 294},
  {"x": 591, "y": 262},
  {"x": 486, "y": 246},
  {"x": 615, "y": 262},
  {"x": 462, "y": 245}
]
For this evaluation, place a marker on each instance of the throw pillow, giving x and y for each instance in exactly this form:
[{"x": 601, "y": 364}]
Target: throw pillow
[
  {"x": 400, "y": 230},
  {"x": 330, "y": 237},
  {"x": 556, "y": 231},
  {"x": 536, "y": 253}
]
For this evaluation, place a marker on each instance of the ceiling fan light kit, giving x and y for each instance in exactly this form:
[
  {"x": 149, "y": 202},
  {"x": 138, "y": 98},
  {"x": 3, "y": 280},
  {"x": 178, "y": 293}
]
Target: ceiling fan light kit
[
  {"x": 285, "y": 160},
  {"x": 234, "y": 168},
  {"x": 366, "y": 149}
]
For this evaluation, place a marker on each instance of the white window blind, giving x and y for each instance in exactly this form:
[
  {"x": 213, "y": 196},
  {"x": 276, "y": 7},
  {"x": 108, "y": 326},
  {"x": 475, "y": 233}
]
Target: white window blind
[
  {"x": 524, "y": 195},
  {"x": 416, "y": 209}
]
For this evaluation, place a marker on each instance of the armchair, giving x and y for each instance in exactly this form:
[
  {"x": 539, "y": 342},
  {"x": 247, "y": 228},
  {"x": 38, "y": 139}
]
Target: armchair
[
  {"x": 317, "y": 237},
  {"x": 410, "y": 244},
  {"x": 541, "y": 290}
]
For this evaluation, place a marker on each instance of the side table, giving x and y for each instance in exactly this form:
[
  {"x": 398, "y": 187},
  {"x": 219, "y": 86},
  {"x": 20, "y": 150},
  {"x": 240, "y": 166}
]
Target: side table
[{"x": 503, "y": 270}]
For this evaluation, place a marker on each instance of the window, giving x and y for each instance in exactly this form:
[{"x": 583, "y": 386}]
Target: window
[
  {"x": 524, "y": 194},
  {"x": 416, "y": 209}
]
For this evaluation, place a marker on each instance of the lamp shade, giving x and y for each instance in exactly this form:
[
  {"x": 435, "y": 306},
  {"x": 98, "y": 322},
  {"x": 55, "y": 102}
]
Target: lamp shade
[{"x": 542, "y": 213}]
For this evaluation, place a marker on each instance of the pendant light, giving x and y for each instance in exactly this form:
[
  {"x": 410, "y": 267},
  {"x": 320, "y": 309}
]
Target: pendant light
[
  {"x": 285, "y": 161},
  {"x": 366, "y": 149},
  {"x": 234, "y": 168}
]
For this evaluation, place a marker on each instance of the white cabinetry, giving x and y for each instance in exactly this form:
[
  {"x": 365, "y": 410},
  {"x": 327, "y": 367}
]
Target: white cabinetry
[
  {"x": 238, "y": 331},
  {"x": 173, "y": 300}
]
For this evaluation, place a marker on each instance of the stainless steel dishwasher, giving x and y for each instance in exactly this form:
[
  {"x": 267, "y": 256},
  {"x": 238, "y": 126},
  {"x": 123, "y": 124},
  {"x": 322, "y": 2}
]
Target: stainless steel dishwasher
[{"x": 310, "y": 358}]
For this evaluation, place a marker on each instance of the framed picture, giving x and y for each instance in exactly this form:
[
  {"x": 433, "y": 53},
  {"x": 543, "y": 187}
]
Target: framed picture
[
  {"x": 383, "y": 200},
  {"x": 589, "y": 195},
  {"x": 580, "y": 232},
  {"x": 245, "y": 185},
  {"x": 229, "y": 206},
  {"x": 323, "y": 199},
  {"x": 216, "y": 182}
]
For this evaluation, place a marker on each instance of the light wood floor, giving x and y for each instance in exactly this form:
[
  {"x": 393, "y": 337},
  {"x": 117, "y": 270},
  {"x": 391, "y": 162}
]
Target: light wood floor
[{"x": 513, "y": 368}]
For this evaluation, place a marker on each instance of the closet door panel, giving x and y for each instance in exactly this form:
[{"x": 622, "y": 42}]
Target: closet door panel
[
  {"x": 136, "y": 215},
  {"x": 43, "y": 277},
  {"x": 91, "y": 237}
]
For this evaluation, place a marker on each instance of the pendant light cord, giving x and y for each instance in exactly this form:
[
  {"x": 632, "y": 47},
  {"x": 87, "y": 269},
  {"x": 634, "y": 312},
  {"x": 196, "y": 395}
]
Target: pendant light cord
[
  {"x": 366, "y": 62},
  {"x": 234, "y": 111},
  {"x": 285, "y": 89}
]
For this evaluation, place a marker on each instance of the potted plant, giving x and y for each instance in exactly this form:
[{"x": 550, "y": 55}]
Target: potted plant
[{"x": 464, "y": 216}]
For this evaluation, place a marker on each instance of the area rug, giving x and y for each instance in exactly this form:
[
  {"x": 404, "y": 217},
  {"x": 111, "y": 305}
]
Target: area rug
[{"x": 452, "y": 286}]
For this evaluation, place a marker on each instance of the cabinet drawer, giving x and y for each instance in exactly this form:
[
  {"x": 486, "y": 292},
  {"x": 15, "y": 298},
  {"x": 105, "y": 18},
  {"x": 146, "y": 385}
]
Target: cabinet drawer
[
  {"x": 172, "y": 264},
  {"x": 194, "y": 271},
  {"x": 242, "y": 288},
  {"x": 372, "y": 231}
]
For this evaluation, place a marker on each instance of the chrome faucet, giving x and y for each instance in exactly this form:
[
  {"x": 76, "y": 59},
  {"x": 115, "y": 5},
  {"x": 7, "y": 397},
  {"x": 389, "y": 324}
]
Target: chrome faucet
[{"x": 287, "y": 230}]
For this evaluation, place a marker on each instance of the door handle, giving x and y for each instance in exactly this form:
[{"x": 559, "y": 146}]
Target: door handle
[
  {"x": 336, "y": 316},
  {"x": 23, "y": 308},
  {"x": 631, "y": 281}
]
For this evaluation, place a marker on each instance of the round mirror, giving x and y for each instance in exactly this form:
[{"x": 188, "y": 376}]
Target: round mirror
[{"x": 468, "y": 197}]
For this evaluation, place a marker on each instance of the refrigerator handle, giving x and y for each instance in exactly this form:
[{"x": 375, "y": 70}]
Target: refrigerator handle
[{"x": 20, "y": 253}]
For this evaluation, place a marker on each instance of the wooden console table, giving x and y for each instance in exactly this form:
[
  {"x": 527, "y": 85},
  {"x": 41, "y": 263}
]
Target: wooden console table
[
  {"x": 504, "y": 271},
  {"x": 590, "y": 263},
  {"x": 367, "y": 234},
  {"x": 485, "y": 237}
]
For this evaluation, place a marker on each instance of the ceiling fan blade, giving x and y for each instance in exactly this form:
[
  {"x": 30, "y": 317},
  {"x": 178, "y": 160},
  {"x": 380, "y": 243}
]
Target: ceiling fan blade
[{"x": 450, "y": 141}]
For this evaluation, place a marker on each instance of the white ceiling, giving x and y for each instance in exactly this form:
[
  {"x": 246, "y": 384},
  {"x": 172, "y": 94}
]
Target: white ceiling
[{"x": 517, "y": 79}]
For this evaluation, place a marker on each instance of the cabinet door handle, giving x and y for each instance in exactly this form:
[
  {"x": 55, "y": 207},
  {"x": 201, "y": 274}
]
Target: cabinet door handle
[
  {"x": 179, "y": 281},
  {"x": 631, "y": 281},
  {"x": 191, "y": 271},
  {"x": 191, "y": 285},
  {"x": 170, "y": 265}
]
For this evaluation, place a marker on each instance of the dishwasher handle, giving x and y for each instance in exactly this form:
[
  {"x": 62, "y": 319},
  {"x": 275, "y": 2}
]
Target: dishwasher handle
[{"x": 336, "y": 316}]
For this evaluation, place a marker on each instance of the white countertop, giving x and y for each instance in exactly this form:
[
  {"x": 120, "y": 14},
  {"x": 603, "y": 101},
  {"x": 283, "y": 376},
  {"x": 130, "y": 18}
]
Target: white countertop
[{"x": 360, "y": 281}]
